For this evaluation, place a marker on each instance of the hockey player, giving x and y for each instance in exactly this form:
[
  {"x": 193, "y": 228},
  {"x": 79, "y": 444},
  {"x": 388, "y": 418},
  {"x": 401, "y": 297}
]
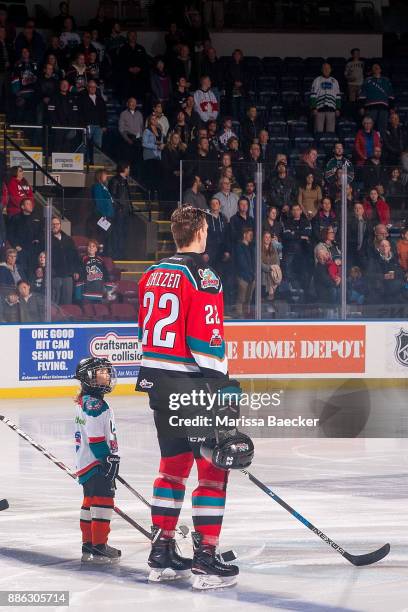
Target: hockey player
[
  {"x": 96, "y": 457},
  {"x": 181, "y": 330}
]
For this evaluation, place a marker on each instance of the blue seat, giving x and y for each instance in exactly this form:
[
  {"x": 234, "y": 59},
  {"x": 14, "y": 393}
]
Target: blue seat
[
  {"x": 267, "y": 83},
  {"x": 277, "y": 128},
  {"x": 313, "y": 66},
  {"x": 303, "y": 142},
  {"x": 293, "y": 66},
  {"x": 346, "y": 128},
  {"x": 290, "y": 83},
  {"x": 272, "y": 66},
  {"x": 281, "y": 144},
  {"x": 253, "y": 65},
  {"x": 307, "y": 83},
  {"x": 276, "y": 113},
  {"x": 297, "y": 128},
  {"x": 268, "y": 98},
  {"x": 291, "y": 100}
]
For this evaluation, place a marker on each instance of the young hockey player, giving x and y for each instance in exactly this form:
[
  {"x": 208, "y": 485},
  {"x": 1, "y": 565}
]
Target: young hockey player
[
  {"x": 181, "y": 329},
  {"x": 96, "y": 457}
]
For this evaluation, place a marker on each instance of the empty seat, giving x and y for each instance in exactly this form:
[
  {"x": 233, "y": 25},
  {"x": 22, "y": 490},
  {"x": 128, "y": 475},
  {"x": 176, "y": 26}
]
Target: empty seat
[
  {"x": 297, "y": 128},
  {"x": 123, "y": 312},
  {"x": 114, "y": 272},
  {"x": 102, "y": 312},
  {"x": 290, "y": 82},
  {"x": 272, "y": 66},
  {"x": 277, "y": 128},
  {"x": 268, "y": 98},
  {"x": 267, "y": 83},
  {"x": 89, "y": 311},
  {"x": 276, "y": 113},
  {"x": 293, "y": 65},
  {"x": 303, "y": 142},
  {"x": 81, "y": 243},
  {"x": 72, "y": 312},
  {"x": 280, "y": 144}
]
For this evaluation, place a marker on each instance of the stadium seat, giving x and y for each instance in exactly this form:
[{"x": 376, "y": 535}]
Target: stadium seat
[
  {"x": 81, "y": 243},
  {"x": 297, "y": 128},
  {"x": 290, "y": 83},
  {"x": 127, "y": 289},
  {"x": 303, "y": 142},
  {"x": 114, "y": 272},
  {"x": 291, "y": 101},
  {"x": 123, "y": 312},
  {"x": 267, "y": 83},
  {"x": 102, "y": 312},
  {"x": 272, "y": 66},
  {"x": 268, "y": 98},
  {"x": 313, "y": 66},
  {"x": 89, "y": 311},
  {"x": 346, "y": 128},
  {"x": 307, "y": 83},
  {"x": 281, "y": 144},
  {"x": 277, "y": 128},
  {"x": 293, "y": 66},
  {"x": 276, "y": 113},
  {"x": 72, "y": 312}
]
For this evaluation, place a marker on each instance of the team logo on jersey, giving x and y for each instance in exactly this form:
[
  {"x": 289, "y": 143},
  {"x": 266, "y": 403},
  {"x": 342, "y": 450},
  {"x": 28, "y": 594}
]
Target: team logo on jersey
[
  {"x": 216, "y": 339},
  {"x": 401, "y": 349},
  {"x": 208, "y": 279},
  {"x": 146, "y": 384}
]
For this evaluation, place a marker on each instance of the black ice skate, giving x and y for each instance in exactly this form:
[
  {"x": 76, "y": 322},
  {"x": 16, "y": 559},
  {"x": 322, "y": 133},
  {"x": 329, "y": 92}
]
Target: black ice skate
[
  {"x": 87, "y": 550},
  {"x": 103, "y": 553},
  {"x": 209, "y": 569},
  {"x": 165, "y": 562}
]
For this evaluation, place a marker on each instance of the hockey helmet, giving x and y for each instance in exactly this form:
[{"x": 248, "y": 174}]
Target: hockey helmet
[
  {"x": 233, "y": 453},
  {"x": 86, "y": 373}
]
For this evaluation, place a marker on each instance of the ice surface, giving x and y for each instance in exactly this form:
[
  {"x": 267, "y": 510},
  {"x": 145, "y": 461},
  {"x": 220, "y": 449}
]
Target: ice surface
[{"x": 354, "y": 490}]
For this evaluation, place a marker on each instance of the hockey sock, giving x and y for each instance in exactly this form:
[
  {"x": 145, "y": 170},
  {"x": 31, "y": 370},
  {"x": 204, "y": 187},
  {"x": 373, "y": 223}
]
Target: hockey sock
[
  {"x": 101, "y": 513},
  {"x": 208, "y": 501},
  {"x": 168, "y": 492},
  {"x": 85, "y": 520}
]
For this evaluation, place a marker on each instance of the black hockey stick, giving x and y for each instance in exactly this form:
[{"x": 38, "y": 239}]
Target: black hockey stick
[
  {"x": 66, "y": 469},
  {"x": 3, "y": 504},
  {"x": 182, "y": 529},
  {"x": 367, "y": 559}
]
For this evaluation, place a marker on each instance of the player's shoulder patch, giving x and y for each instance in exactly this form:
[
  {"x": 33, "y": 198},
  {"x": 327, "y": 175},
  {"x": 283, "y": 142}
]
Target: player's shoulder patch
[
  {"x": 208, "y": 279},
  {"x": 93, "y": 406}
]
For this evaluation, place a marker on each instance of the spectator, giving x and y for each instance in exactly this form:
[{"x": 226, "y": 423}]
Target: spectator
[
  {"x": 214, "y": 10},
  {"x": 358, "y": 237},
  {"x": 101, "y": 23},
  {"x": 337, "y": 162},
  {"x": 77, "y": 74},
  {"x": 228, "y": 200},
  {"x": 366, "y": 139},
  {"x": 23, "y": 86},
  {"x": 240, "y": 221},
  {"x": 307, "y": 165},
  {"x": 296, "y": 236},
  {"x": 266, "y": 148},
  {"x": 122, "y": 201},
  {"x": 250, "y": 128},
  {"x": 134, "y": 67},
  {"x": 325, "y": 101},
  {"x": 376, "y": 209},
  {"x": 198, "y": 38},
  {"x": 10, "y": 307},
  {"x": 5, "y": 57},
  {"x": 104, "y": 209},
  {"x": 271, "y": 273},
  {"x": 153, "y": 144},
  {"x": 55, "y": 50},
  {"x": 385, "y": 276},
  {"x": 395, "y": 140},
  {"x": 283, "y": 187},
  {"x": 334, "y": 189},
  {"x": 18, "y": 189},
  {"x": 374, "y": 172},
  {"x": 181, "y": 128},
  {"x": 212, "y": 67},
  {"x": 328, "y": 242},
  {"x": 65, "y": 264},
  {"x": 179, "y": 96},
  {"x": 234, "y": 150},
  {"x": 354, "y": 73},
  {"x": 250, "y": 194},
  {"x": 217, "y": 247},
  {"x": 183, "y": 66},
  {"x": 204, "y": 164},
  {"x": 212, "y": 129},
  {"x": 310, "y": 196},
  {"x": 58, "y": 21},
  {"x": 205, "y": 101},
  {"x": 94, "y": 283},
  {"x": 63, "y": 111},
  {"x": 356, "y": 286},
  {"x": 94, "y": 70},
  {"x": 402, "y": 249},
  {"x": 192, "y": 117},
  {"x": 47, "y": 89},
  {"x": 227, "y": 133},
  {"x": 162, "y": 120},
  {"x": 272, "y": 224},
  {"x": 27, "y": 234},
  {"x": 131, "y": 130},
  {"x": 172, "y": 155},
  {"x": 326, "y": 217},
  {"x": 94, "y": 117},
  {"x": 31, "y": 305},
  {"x": 10, "y": 272},
  {"x": 249, "y": 169},
  {"x": 376, "y": 98},
  {"x": 86, "y": 47},
  {"x": 8, "y": 25},
  {"x": 380, "y": 233},
  {"x": 325, "y": 286},
  {"x": 194, "y": 194},
  {"x": 160, "y": 83},
  {"x": 236, "y": 87},
  {"x": 53, "y": 60},
  {"x": 396, "y": 191},
  {"x": 97, "y": 44},
  {"x": 37, "y": 279},
  {"x": 32, "y": 40},
  {"x": 173, "y": 38},
  {"x": 245, "y": 270},
  {"x": 69, "y": 39}
]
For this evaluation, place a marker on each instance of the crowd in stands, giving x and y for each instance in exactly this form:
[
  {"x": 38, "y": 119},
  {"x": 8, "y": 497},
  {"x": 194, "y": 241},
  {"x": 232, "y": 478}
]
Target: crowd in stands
[{"x": 305, "y": 121}]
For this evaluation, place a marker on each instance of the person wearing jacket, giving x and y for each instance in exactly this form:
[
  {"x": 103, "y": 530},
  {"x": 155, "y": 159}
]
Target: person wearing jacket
[
  {"x": 63, "y": 111},
  {"x": 94, "y": 117},
  {"x": 10, "y": 272},
  {"x": 18, "y": 189},
  {"x": 359, "y": 233},
  {"x": 283, "y": 187},
  {"x": 376, "y": 209},
  {"x": 160, "y": 82},
  {"x": 245, "y": 271},
  {"x": 23, "y": 86},
  {"x": 122, "y": 203},
  {"x": 385, "y": 275},
  {"x": 366, "y": 139},
  {"x": 27, "y": 234},
  {"x": 326, "y": 287},
  {"x": 104, "y": 207},
  {"x": 395, "y": 140},
  {"x": 326, "y": 217},
  {"x": 374, "y": 171},
  {"x": 153, "y": 144},
  {"x": 31, "y": 305},
  {"x": 194, "y": 194},
  {"x": 376, "y": 98},
  {"x": 217, "y": 247},
  {"x": 271, "y": 274},
  {"x": 205, "y": 101},
  {"x": 296, "y": 236},
  {"x": 239, "y": 222},
  {"x": 65, "y": 264},
  {"x": 172, "y": 154}
]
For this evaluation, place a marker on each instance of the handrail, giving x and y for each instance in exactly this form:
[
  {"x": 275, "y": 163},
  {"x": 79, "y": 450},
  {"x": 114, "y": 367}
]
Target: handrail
[{"x": 36, "y": 166}]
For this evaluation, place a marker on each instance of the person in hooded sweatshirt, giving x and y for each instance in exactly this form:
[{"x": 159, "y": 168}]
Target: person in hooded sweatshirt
[
  {"x": 205, "y": 101},
  {"x": 217, "y": 249}
]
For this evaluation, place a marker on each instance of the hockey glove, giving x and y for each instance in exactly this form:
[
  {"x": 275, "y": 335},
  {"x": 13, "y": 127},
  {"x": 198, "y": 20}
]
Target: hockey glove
[{"x": 111, "y": 467}]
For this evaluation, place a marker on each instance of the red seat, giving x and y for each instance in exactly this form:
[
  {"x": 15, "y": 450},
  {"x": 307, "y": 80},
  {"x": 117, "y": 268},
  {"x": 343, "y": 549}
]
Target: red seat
[
  {"x": 102, "y": 312},
  {"x": 72, "y": 312},
  {"x": 89, "y": 310},
  {"x": 123, "y": 312},
  {"x": 114, "y": 272},
  {"x": 81, "y": 243}
]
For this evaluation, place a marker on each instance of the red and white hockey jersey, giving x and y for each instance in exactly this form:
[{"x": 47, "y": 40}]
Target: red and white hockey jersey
[{"x": 181, "y": 314}]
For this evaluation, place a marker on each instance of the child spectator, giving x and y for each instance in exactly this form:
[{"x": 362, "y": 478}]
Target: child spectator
[
  {"x": 356, "y": 286},
  {"x": 94, "y": 283},
  {"x": 227, "y": 133}
]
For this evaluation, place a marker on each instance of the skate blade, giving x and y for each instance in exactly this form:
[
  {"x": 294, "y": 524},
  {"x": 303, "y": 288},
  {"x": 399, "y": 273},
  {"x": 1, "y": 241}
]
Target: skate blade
[
  {"x": 166, "y": 574},
  {"x": 86, "y": 558},
  {"x": 202, "y": 583},
  {"x": 102, "y": 560}
]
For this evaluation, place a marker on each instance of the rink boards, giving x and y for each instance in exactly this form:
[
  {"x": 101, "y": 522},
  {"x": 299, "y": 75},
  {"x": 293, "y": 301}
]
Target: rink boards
[{"x": 40, "y": 360}]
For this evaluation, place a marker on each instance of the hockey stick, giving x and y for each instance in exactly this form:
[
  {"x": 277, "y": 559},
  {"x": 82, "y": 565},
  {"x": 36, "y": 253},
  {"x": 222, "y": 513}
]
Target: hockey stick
[
  {"x": 66, "y": 469},
  {"x": 358, "y": 560},
  {"x": 182, "y": 529},
  {"x": 3, "y": 504}
]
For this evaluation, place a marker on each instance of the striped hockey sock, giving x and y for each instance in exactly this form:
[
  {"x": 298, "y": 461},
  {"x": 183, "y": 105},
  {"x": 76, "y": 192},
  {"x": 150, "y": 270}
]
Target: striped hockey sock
[
  {"x": 85, "y": 520},
  {"x": 208, "y": 501},
  {"x": 101, "y": 513}
]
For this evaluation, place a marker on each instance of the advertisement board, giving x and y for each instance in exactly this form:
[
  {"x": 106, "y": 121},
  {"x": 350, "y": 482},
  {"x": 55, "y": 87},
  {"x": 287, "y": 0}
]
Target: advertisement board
[
  {"x": 68, "y": 161},
  {"x": 18, "y": 159}
]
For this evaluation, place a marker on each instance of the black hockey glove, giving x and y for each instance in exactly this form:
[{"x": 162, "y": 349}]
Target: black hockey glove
[{"x": 111, "y": 467}]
